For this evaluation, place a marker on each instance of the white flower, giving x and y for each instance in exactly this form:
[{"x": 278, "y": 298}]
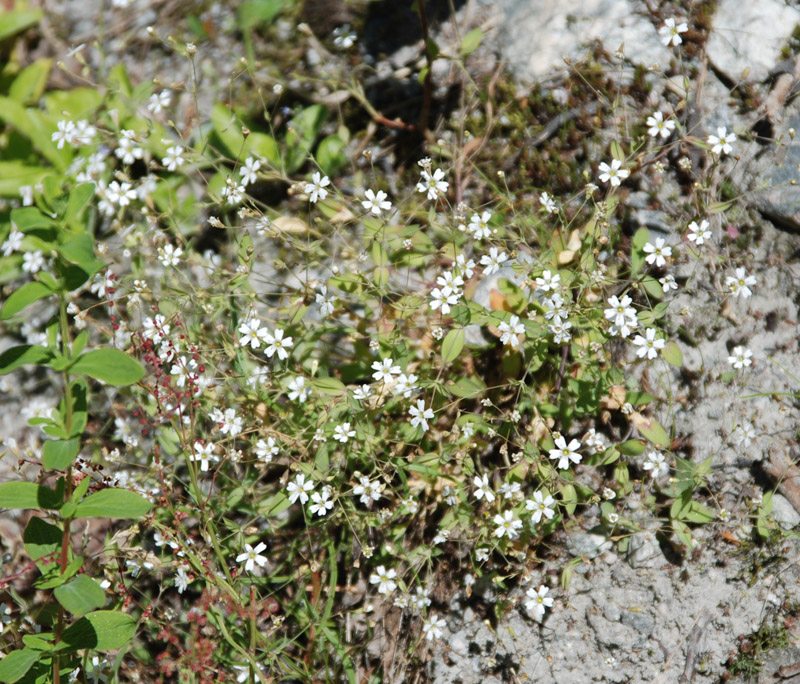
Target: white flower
[
  {"x": 493, "y": 261},
  {"x": 181, "y": 580},
  {"x": 420, "y": 415},
  {"x": 368, "y": 490},
  {"x": 507, "y": 525},
  {"x": 659, "y": 126},
  {"x": 64, "y": 134},
  {"x": 565, "y": 452},
  {"x": 483, "y": 489},
  {"x": 169, "y": 255},
  {"x": 384, "y": 579},
  {"x": 614, "y": 173},
  {"x": 721, "y": 142},
  {"x": 249, "y": 171},
  {"x": 744, "y": 434},
  {"x": 278, "y": 343},
  {"x": 231, "y": 423},
  {"x": 668, "y": 283},
  {"x": 252, "y": 333},
  {"x": 84, "y": 133},
  {"x": 324, "y": 301},
  {"x": 510, "y": 331},
  {"x": 321, "y": 502},
  {"x": 539, "y": 601},
  {"x": 444, "y": 299},
  {"x": 548, "y": 203},
  {"x": 432, "y": 628},
  {"x": 363, "y": 392},
  {"x": 740, "y": 358},
  {"x": 233, "y": 193},
  {"x": 560, "y": 331},
  {"x": 657, "y": 254},
  {"x": 479, "y": 225},
  {"x": 32, "y": 262},
  {"x": 316, "y": 188},
  {"x": 344, "y": 37},
  {"x": 384, "y": 370},
  {"x": 376, "y": 203},
  {"x": 405, "y": 385},
  {"x": 127, "y": 150},
  {"x": 299, "y": 489},
  {"x": 267, "y": 450},
  {"x": 120, "y": 194},
  {"x": 159, "y": 101},
  {"x": 739, "y": 286},
  {"x": 670, "y": 32},
  {"x": 621, "y": 314},
  {"x": 541, "y": 506},
  {"x": 433, "y": 183},
  {"x": 342, "y": 433},
  {"x": 656, "y": 464},
  {"x": 252, "y": 557},
  {"x": 649, "y": 344},
  {"x": 549, "y": 282},
  {"x": 174, "y": 158},
  {"x": 699, "y": 233},
  {"x": 298, "y": 390},
  {"x": 13, "y": 242},
  {"x": 465, "y": 266},
  {"x": 203, "y": 454}
]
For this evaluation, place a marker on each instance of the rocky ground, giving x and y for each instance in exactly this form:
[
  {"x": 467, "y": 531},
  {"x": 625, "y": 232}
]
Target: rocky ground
[{"x": 647, "y": 615}]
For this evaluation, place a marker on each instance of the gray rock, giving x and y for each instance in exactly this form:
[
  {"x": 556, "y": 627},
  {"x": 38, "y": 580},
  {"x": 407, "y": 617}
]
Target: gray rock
[
  {"x": 539, "y": 34},
  {"x": 644, "y": 551},
  {"x": 587, "y": 544},
  {"x": 773, "y": 175},
  {"x": 750, "y": 35},
  {"x": 784, "y": 512},
  {"x": 641, "y": 622}
]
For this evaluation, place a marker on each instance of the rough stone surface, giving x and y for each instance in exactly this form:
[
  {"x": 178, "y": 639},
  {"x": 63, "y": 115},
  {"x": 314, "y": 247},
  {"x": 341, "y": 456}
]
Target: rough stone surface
[
  {"x": 784, "y": 513},
  {"x": 750, "y": 35}
]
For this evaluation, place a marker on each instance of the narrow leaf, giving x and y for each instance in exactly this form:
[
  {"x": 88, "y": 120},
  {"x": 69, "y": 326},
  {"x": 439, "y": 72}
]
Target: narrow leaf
[
  {"x": 23, "y": 355},
  {"x": 452, "y": 345},
  {"x": 23, "y": 297}
]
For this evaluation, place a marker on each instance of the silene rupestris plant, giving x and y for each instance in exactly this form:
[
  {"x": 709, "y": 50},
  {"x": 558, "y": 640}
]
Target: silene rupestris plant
[{"x": 79, "y": 619}]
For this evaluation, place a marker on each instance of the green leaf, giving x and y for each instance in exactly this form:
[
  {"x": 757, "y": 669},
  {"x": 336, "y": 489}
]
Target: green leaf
[
  {"x": 30, "y": 83},
  {"x": 452, "y": 344},
  {"x": 37, "y": 127},
  {"x": 672, "y": 354},
  {"x": 633, "y": 447},
  {"x": 14, "y": 666},
  {"x": 104, "y": 630},
  {"x": 16, "y": 21},
  {"x": 28, "y": 495},
  {"x": 653, "y": 431},
  {"x": 58, "y": 454},
  {"x": 254, "y": 13},
  {"x": 41, "y": 538},
  {"x": 466, "y": 388},
  {"x": 331, "y": 387},
  {"x": 80, "y": 250},
  {"x": 23, "y": 298},
  {"x": 330, "y": 154},
  {"x": 79, "y": 199},
  {"x": 652, "y": 287},
  {"x": 113, "y": 503},
  {"x": 111, "y": 366},
  {"x": 470, "y": 42},
  {"x": 14, "y": 174},
  {"x": 80, "y": 596},
  {"x": 640, "y": 238}
]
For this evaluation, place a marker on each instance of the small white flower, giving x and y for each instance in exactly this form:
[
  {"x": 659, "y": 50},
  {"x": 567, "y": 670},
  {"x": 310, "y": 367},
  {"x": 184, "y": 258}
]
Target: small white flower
[
  {"x": 13, "y": 242},
  {"x": 444, "y": 299},
  {"x": 342, "y": 433},
  {"x": 699, "y": 233},
  {"x": 420, "y": 415},
  {"x": 548, "y": 282},
  {"x": 363, "y": 392},
  {"x": 740, "y": 285},
  {"x": 510, "y": 331},
  {"x": 548, "y": 203},
  {"x": 668, "y": 283},
  {"x": 169, "y": 255},
  {"x": 203, "y": 454},
  {"x": 159, "y": 101},
  {"x": 432, "y": 628},
  {"x": 174, "y": 158},
  {"x": 656, "y": 463},
  {"x": 277, "y": 343},
  {"x": 649, "y": 345},
  {"x": 321, "y": 502},
  {"x": 483, "y": 489},
  {"x": 493, "y": 261},
  {"x": 433, "y": 183},
  {"x": 249, "y": 171},
  {"x": 128, "y": 151},
  {"x": 376, "y": 203},
  {"x": 740, "y": 358},
  {"x": 316, "y": 188},
  {"x": 541, "y": 506},
  {"x": 613, "y": 174},
  {"x": 479, "y": 225},
  {"x": 325, "y": 302},
  {"x": 721, "y": 142},
  {"x": 385, "y": 370},
  {"x": 539, "y": 601},
  {"x": 565, "y": 452},
  {"x": 657, "y": 254},
  {"x": 657, "y": 125},
  {"x": 252, "y": 557},
  {"x": 368, "y": 490},
  {"x": 299, "y": 489},
  {"x": 744, "y": 434},
  {"x": 64, "y": 134},
  {"x": 507, "y": 525},
  {"x": 670, "y": 32},
  {"x": 384, "y": 579},
  {"x": 33, "y": 262},
  {"x": 298, "y": 390},
  {"x": 267, "y": 450},
  {"x": 252, "y": 333}
]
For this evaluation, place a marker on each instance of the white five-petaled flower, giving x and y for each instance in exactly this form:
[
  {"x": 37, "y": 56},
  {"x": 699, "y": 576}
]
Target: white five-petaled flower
[
  {"x": 376, "y": 203},
  {"x": 659, "y": 126},
  {"x": 298, "y": 390},
  {"x": 321, "y": 502},
  {"x": 740, "y": 357},
  {"x": 649, "y": 344},
  {"x": 169, "y": 255},
  {"x": 507, "y": 525},
  {"x": 33, "y": 262},
  {"x": 342, "y": 433},
  {"x": 671, "y": 31},
  {"x": 444, "y": 299},
  {"x": 159, "y": 101},
  {"x": 479, "y": 225},
  {"x": 433, "y": 183},
  {"x": 541, "y": 506},
  {"x": 384, "y": 579},
  {"x": 656, "y": 463},
  {"x": 420, "y": 415},
  {"x": 668, "y": 283},
  {"x": 64, "y": 134},
  {"x": 128, "y": 151},
  {"x": 548, "y": 203},
  {"x": 299, "y": 489},
  {"x": 721, "y": 142},
  {"x": 565, "y": 452},
  {"x": 203, "y": 454},
  {"x": 621, "y": 314},
  {"x": 699, "y": 233},
  {"x": 548, "y": 281},
  {"x": 252, "y": 557},
  {"x": 432, "y": 627},
  {"x": 483, "y": 489},
  {"x": 613, "y": 174},
  {"x": 316, "y": 188},
  {"x": 493, "y": 261},
  {"x": 267, "y": 449},
  {"x": 740, "y": 285},
  {"x": 252, "y": 333},
  {"x": 13, "y": 242},
  {"x": 539, "y": 601},
  {"x": 174, "y": 158},
  {"x": 249, "y": 171},
  {"x": 325, "y": 302},
  {"x": 368, "y": 490},
  {"x": 277, "y": 344},
  {"x": 120, "y": 194},
  {"x": 384, "y": 370},
  {"x": 510, "y": 331}
]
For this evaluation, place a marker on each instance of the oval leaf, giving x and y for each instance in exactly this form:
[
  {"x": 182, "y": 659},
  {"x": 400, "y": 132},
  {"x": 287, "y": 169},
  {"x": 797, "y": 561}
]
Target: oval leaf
[
  {"x": 331, "y": 387},
  {"x": 452, "y": 345},
  {"x": 672, "y": 354},
  {"x": 58, "y": 454},
  {"x": 24, "y": 297},
  {"x": 23, "y": 355},
  {"x": 105, "y": 630},
  {"x": 81, "y": 595},
  {"x": 27, "y": 495},
  {"x": 111, "y": 366},
  {"x": 17, "y": 663},
  {"x": 113, "y": 503}
]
